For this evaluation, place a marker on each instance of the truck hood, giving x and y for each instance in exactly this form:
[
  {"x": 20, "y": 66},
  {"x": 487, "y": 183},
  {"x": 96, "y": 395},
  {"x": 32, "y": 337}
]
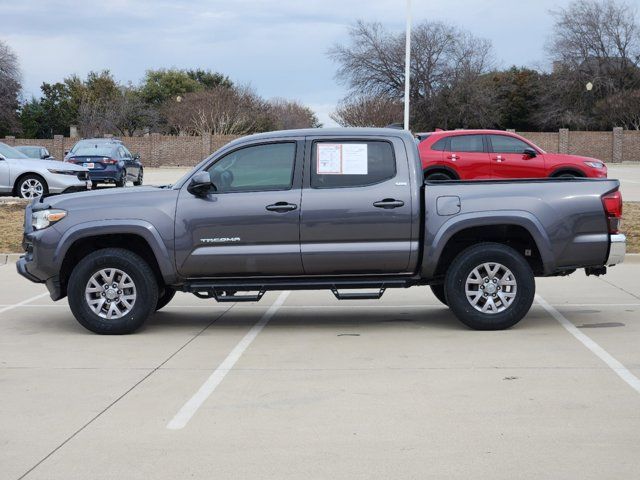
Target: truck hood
[{"x": 110, "y": 202}]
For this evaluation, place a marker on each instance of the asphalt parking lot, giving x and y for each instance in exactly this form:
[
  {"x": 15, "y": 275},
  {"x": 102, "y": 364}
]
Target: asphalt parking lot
[{"x": 303, "y": 386}]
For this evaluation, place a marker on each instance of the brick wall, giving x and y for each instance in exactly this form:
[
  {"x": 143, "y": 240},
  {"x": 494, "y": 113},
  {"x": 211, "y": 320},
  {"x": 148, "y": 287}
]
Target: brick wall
[
  {"x": 548, "y": 141},
  {"x": 631, "y": 145},
  {"x": 155, "y": 150},
  {"x": 165, "y": 151}
]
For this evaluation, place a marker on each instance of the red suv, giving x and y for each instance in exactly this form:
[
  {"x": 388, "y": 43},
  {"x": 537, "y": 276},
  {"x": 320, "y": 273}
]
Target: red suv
[{"x": 486, "y": 154}]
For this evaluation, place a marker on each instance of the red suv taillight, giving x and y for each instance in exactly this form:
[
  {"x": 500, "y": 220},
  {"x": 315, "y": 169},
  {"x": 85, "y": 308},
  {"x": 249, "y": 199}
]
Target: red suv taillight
[{"x": 612, "y": 203}]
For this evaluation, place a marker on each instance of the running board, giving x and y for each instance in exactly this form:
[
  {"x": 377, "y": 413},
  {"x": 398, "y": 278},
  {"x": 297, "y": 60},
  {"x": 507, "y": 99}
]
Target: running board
[{"x": 225, "y": 290}]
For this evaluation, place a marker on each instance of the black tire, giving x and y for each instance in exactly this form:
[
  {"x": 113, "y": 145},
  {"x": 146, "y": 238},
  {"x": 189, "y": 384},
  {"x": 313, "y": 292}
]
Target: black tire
[
  {"x": 122, "y": 181},
  {"x": 437, "y": 176},
  {"x": 165, "y": 298},
  {"x": 140, "y": 179},
  {"x": 438, "y": 291},
  {"x": 25, "y": 179},
  {"x": 136, "y": 268},
  {"x": 567, "y": 175},
  {"x": 464, "y": 264}
]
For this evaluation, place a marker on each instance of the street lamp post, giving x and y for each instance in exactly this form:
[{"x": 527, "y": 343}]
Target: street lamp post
[{"x": 407, "y": 66}]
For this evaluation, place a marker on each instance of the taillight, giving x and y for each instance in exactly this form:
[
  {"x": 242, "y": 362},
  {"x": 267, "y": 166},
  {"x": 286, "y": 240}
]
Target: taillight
[
  {"x": 612, "y": 203},
  {"x": 109, "y": 161}
]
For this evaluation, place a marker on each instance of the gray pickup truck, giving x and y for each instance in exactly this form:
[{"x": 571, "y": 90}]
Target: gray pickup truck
[{"x": 340, "y": 209}]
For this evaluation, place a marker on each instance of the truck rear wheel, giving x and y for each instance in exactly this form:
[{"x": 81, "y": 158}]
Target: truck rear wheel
[
  {"x": 165, "y": 298},
  {"x": 490, "y": 286},
  {"x": 112, "y": 291}
]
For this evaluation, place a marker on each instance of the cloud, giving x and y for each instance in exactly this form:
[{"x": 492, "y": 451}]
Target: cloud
[{"x": 279, "y": 47}]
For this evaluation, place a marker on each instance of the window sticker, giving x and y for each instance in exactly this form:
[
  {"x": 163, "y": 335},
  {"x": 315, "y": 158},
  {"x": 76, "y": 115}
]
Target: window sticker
[
  {"x": 342, "y": 159},
  {"x": 329, "y": 159}
]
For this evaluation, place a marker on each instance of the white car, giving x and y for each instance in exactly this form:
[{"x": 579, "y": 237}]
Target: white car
[{"x": 26, "y": 177}]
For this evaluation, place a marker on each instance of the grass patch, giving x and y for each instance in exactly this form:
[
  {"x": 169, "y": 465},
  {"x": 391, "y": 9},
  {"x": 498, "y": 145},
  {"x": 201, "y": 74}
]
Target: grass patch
[
  {"x": 12, "y": 218},
  {"x": 631, "y": 225}
]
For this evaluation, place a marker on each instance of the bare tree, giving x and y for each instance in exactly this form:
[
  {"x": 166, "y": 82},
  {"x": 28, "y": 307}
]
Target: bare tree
[
  {"x": 371, "y": 111},
  {"x": 621, "y": 109},
  {"x": 219, "y": 110},
  {"x": 442, "y": 56},
  {"x": 598, "y": 41},
  {"x": 595, "y": 49},
  {"x": 9, "y": 89},
  {"x": 289, "y": 114}
]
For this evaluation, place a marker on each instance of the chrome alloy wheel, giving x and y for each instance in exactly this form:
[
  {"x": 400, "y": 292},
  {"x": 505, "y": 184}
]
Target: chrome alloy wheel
[
  {"x": 491, "y": 288},
  {"x": 31, "y": 188},
  {"x": 110, "y": 293}
]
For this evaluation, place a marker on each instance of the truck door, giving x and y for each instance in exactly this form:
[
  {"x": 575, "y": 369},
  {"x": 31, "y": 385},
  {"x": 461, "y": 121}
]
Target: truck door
[
  {"x": 508, "y": 159},
  {"x": 250, "y": 225},
  {"x": 356, "y": 207}
]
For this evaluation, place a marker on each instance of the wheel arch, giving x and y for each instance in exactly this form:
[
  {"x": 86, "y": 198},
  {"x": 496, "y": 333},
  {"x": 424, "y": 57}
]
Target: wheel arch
[
  {"x": 520, "y": 230},
  {"x": 441, "y": 169},
  {"x": 140, "y": 238},
  {"x": 25, "y": 174},
  {"x": 567, "y": 169}
]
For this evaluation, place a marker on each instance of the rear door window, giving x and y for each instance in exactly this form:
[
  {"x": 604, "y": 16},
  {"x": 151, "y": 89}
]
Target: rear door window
[
  {"x": 466, "y": 143},
  {"x": 353, "y": 163},
  {"x": 440, "y": 145}
]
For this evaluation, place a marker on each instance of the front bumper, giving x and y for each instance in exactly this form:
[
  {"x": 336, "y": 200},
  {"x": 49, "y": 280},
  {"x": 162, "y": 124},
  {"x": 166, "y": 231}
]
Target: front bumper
[
  {"x": 617, "y": 249},
  {"x": 21, "y": 266},
  {"x": 68, "y": 183}
]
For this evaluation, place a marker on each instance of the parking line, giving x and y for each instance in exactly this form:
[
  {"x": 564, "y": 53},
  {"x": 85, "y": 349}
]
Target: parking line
[
  {"x": 189, "y": 409},
  {"x": 28, "y": 300},
  {"x": 601, "y": 353}
]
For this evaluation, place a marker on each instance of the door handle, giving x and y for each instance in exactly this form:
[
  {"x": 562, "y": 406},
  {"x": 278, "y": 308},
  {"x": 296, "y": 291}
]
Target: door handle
[
  {"x": 453, "y": 157},
  {"x": 281, "y": 207},
  {"x": 388, "y": 203},
  {"x": 499, "y": 158}
]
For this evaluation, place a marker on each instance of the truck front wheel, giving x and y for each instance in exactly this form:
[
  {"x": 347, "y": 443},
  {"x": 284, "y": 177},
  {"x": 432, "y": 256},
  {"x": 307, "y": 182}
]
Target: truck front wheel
[
  {"x": 112, "y": 291},
  {"x": 438, "y": 291},
  {"x": 490, "y": 286}
]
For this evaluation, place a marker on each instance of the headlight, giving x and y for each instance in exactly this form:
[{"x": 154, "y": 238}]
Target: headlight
[
  {"x": 44, "y": 218},
  {"x": 594, "y": 164},
  {"x": 63, "y": 172}
]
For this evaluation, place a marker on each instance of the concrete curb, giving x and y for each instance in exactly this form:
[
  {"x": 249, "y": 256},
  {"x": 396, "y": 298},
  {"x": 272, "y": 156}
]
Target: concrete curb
[
  {"x": 632, "y": 258},
  {"x": 9, "y": 258}
]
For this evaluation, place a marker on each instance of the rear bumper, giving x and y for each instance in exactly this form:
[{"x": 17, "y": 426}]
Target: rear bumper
[
  {"x": 617, "y": 249},
  {"x": 108, "y": 174}
]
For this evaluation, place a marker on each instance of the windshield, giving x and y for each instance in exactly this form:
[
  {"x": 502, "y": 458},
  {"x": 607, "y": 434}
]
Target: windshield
[
  {"x": 93, "y": 150},
  {"x": 7, "y": 152}
]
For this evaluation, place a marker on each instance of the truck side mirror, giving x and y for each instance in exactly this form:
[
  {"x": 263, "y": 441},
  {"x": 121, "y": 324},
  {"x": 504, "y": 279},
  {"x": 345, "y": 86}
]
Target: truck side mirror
[
  {"x": 530, "y": 152},
  {"x": 200, "y": 184}
]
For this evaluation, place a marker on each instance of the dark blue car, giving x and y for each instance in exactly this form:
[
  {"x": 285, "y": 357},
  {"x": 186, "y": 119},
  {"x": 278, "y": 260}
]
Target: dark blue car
[{"x": 108, "y": 161}]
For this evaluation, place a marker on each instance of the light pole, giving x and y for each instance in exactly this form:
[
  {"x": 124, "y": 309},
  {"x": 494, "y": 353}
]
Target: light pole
[{"x": 407, "y": 66}]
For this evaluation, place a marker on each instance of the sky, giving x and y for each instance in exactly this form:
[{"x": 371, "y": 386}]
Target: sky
[{"x": 279, "y": 47}]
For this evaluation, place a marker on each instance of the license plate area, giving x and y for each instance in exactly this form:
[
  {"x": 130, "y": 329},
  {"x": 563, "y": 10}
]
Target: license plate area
[{"x": 89, "y": 165}]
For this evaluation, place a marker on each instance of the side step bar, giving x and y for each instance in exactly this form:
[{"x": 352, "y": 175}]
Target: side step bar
[{"x": 227, "y": 290}]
